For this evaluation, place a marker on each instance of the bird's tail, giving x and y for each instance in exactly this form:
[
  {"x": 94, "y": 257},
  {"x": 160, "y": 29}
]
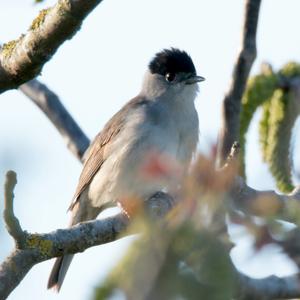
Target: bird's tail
[
  {"x": 59, "y": 271},
  {"x": 81, "y": 211}
]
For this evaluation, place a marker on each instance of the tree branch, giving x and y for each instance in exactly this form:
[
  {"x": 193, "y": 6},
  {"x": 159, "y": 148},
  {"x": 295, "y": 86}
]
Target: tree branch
[
  {"x": 23, "y": 59},
  {"x": 291, "y": 245},
  {"x": 265, "y": 203},
  {"x": 271, "y": 287},
  {"x": 49, "y": 103},
  {"x": 35, "y": 248},
  {"x": 12, "y": 223},
  {"x": 232, "y": 101},
  {"x": 40, "y": 247}
]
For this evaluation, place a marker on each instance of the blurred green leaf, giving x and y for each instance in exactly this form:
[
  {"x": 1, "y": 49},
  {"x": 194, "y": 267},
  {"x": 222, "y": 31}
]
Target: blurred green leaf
[{"x": 167, "y": 263}]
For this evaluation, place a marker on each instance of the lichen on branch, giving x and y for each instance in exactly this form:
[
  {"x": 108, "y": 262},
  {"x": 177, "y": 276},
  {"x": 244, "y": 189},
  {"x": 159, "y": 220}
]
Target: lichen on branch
[{"x": 23, "y": 59}]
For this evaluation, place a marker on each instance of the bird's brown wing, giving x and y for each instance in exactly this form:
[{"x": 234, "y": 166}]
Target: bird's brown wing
[{"x": 96, "y": 157}]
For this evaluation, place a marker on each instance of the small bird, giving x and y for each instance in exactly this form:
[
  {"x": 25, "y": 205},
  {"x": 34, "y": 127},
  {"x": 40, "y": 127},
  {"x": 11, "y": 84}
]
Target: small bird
[{"x": 158, "y": 127}]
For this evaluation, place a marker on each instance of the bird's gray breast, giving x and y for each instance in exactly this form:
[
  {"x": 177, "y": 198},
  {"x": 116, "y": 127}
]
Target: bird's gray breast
[
  {"x": 179, "y": 125},
  {"x": 188, "y": 131},
  {"x": 149, "y": 128}
]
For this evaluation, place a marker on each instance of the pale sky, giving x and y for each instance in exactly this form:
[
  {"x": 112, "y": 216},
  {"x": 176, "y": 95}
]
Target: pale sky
[{"x": 95, "y": 73}]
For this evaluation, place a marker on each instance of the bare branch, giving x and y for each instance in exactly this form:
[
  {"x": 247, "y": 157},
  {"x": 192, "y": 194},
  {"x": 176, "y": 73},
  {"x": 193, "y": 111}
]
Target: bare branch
[
  {"x": 232, "y": 158},
  {"x": 23, "y": 59},
  {"x": 294, "y": 85},
  {"x": 12, "y": 223},
  {"x": 40, "y": 247},
  {"x": 291, "y": 245},
  {"x": 14, "y": 269},
  {"x": 49, "y": 103},
  {"x": 265, "y": 203},
  {"x": 232, "y": 102},
  {"x": 271, "y": 287}
]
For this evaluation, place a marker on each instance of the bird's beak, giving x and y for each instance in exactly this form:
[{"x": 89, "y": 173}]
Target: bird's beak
[{"x": 194, "y": 79}]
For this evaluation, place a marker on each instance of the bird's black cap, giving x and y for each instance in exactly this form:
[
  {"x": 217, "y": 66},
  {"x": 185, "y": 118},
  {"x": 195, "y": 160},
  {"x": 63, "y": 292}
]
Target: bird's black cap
[{"x": 171, "y": 61}]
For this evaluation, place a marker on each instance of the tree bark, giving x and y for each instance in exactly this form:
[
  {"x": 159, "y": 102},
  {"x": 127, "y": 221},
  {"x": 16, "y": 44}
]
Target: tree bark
[
  {"x": 229, "y": 132},
  {"x": 49, "y": 103},
  {"x": 23, "y": 59}
]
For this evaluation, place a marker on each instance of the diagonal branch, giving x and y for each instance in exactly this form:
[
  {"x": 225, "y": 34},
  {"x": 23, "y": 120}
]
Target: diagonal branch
[
  {"x": 23, "y": 59},
  {"x": 49, "y": 103},
  {"x": 232, "y": 101}
]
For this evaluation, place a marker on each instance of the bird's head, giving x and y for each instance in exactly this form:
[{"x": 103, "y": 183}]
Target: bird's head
[{"x": 171, "y": 71}]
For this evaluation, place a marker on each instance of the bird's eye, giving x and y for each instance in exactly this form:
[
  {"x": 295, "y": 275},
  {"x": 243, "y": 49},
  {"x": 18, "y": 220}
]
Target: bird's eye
[{"x": 170, "y": 77}]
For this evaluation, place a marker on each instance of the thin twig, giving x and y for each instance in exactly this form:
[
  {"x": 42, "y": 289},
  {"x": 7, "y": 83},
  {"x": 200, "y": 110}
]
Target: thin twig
[
  {"x": 12, "y": 223},
  {"x": 232, "y": 102},
  {"x": 49, "y": 103}
]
